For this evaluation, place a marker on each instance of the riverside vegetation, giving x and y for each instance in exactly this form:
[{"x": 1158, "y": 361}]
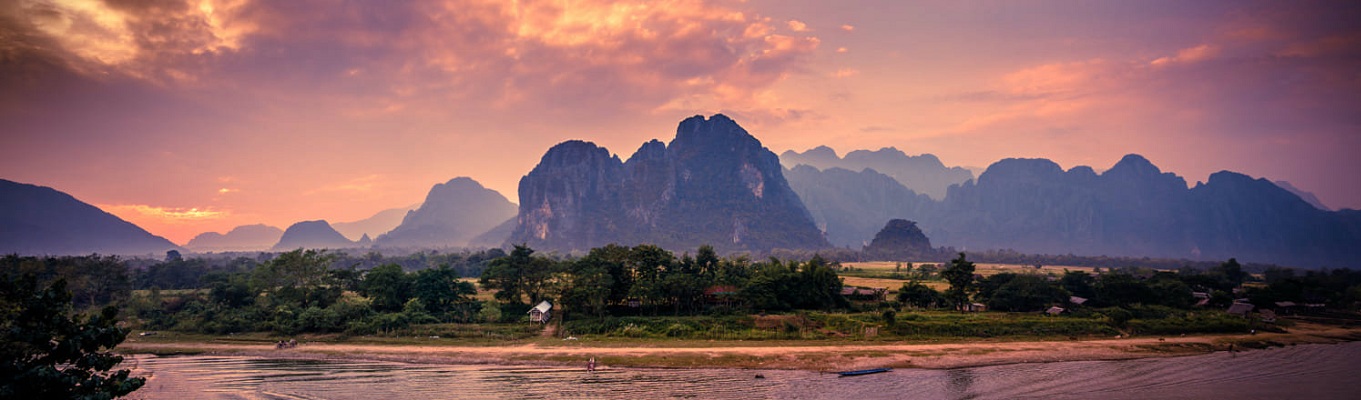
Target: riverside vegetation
[{"x": 645, "y": 292}]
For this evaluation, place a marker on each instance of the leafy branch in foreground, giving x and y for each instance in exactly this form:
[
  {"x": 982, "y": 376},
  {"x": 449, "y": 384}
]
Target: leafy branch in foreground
[{"x": 45, "y": 353}]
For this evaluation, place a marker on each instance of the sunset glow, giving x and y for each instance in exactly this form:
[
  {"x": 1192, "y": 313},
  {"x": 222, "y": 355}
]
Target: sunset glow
[{"x": 202, "y": 115}]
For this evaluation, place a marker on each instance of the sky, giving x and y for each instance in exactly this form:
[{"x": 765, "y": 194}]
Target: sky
[{"x": 192, "y": 116}]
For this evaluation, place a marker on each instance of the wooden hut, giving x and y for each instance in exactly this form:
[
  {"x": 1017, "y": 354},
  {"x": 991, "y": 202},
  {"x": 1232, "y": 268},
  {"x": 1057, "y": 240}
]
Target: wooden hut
[
  {"x": 1240, "y": 309},
  {"x": 541, "y": 313}
]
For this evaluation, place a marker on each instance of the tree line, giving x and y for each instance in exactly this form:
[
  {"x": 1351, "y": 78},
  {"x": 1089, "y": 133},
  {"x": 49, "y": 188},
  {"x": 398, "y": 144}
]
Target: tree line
[
  {"x": 646, "y": 279},
  {"x": 1218, "y": 287}
]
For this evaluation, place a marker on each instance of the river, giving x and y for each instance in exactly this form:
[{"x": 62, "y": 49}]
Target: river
[{"x": 1295, "y": 372}]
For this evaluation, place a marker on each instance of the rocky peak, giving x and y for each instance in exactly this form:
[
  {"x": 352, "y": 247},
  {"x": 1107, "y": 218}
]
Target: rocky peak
[
  {"x": 1020, "y": 169},
  {"x": 575, "y": 152},
  {"x": 900, "y": 239},
  {"x": 715, "y": 134},
  {"x": 1136, "y": 171},
  {"x": 822, "y": 152},
  {"x": 713, "y": 184},
  {"x": 311, "y": 235}
]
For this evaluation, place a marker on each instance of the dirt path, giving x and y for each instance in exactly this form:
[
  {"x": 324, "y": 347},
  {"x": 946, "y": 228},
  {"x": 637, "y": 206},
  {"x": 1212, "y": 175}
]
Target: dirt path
[{"x": 810, "y": 357}]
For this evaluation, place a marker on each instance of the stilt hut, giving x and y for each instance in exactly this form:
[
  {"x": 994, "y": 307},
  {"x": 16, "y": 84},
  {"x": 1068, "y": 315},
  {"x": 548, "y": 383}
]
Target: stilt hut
[{"x": 541, "y": 313}]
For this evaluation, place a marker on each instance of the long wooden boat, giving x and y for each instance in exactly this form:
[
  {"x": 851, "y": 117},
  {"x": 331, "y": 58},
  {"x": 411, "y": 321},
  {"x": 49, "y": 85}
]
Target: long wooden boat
[{"x": 864, "y": 371}]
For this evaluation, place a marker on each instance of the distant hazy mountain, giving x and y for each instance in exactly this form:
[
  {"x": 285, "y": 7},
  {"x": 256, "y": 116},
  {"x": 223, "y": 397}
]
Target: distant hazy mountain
[
  {"x": 1308, "y": 197},
  {"x": 496, "y": 236},
  {"x": 899, "y": 240},
  {"x": 452, "y": 214},
  {"x": 923, "y": 174},
  {"x": 257, "y": 237},
  {"x": 378, "y": 224},
  {"x": 37, "y": 220},
  {"x": 1134, "y": 209},
  {"x": 713, "y": 184},
  {"x": 851, "y": 206},
  {"x": 312, "y": 235}
]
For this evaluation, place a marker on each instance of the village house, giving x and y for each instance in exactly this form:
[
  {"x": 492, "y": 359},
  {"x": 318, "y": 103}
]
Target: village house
[
  {"x": 1240, "y": 309},
  {"x": 864, "y": 294},
  {"x": 541, "y": 313}
]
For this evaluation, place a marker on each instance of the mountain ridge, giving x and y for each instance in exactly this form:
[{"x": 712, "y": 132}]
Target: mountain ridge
[{"x": 42, "y": 220}]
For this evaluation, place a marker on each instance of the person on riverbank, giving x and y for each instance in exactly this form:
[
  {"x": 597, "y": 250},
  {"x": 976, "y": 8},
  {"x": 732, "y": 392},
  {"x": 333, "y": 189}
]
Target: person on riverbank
[{"x": 590, "y": 365}]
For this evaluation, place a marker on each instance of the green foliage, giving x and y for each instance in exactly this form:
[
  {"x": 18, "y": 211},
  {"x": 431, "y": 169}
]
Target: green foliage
[
  {"x": 960, "y": 276},
  {"x": 388, "y": 286},
  {"x": 93, "y": 280},
  {"x": 490, "y": 312},
  {"x": 920, "y": 296},
  {"x": 1027, "y": 293},
  {"x": 1118, "y": 317},
  {"x": 296, "y": 279},
  {"x": 518, "y": 275},
  {"x": 45, "y": 353}
]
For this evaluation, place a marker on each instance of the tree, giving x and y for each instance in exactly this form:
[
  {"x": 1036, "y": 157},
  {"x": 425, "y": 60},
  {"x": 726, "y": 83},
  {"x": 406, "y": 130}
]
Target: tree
[
  {"x": 1232, "y": 271},
  {"x": 918, "y": 295},
  {"x": 1078, "y": 283},
  {"x": 1026, "y": 292},
  {"x": 519, "y": 274},
  {"x": 960, "y": 276},
  {"x": 818, "y": 286},
  {"x": 490, "y": 312},
  {"x": 441, "y": 290},
  {"x": 45, "y": 353},
  {"x": 584, "y": 286},
  {"x": 297, "y": 278},
  {"x": 387, "y": 286}
]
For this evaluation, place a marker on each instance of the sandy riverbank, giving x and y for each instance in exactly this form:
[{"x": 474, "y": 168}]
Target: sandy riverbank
[{"x": 816, "y": 356}]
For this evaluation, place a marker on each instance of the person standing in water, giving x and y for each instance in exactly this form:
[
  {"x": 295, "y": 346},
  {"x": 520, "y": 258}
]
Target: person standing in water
[{"x": 590, "y": 365}]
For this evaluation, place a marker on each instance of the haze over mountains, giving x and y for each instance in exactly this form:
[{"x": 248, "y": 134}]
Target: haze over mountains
[
  {"x": 715, "y": 184},
  {"x": 453, "y": 213},
  {"x": 1132, "y": 209},
  {"x": 923, "y": 174},
  {"x": 378, "y": 224},
  {"x": 242, "y": 238},
  {"x": 312, "y": 235}
]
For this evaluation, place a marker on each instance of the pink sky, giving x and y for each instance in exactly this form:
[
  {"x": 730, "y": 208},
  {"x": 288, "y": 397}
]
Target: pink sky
[{"x": 186, "y": 117}]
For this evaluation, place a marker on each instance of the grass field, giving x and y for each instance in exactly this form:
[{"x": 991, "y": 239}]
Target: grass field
[
  {"x": 882, "y": 274},
  {"x": 985, "y": 269}
]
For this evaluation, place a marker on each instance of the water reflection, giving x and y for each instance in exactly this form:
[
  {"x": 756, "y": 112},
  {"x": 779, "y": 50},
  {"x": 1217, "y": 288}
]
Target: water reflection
[
  {"x": 1314, "y": 371},
  {"x": 959, "y": 382}
]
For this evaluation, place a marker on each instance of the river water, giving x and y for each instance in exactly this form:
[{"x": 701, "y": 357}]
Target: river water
[{"x": 1296, "y": 372}]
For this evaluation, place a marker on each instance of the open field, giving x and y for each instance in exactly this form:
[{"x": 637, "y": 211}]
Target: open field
[
  {"x": 882, "y": 274},
  {"x": 985, "y": 269}
]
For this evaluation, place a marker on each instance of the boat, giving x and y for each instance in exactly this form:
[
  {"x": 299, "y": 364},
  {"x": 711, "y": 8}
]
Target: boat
[{"x": 864, "y": 372}]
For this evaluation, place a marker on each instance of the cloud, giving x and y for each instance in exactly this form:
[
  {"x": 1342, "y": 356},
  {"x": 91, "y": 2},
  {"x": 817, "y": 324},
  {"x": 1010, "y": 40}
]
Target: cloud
[
  {"x": 372, "y": 59},
  {"x": 845, "y": 72},
  {"x": 165, "y": 215},
  {"x": 364, "y": 184},
  {"x": 848, "y": 28},
  {"x": 1189, "y": 55}
]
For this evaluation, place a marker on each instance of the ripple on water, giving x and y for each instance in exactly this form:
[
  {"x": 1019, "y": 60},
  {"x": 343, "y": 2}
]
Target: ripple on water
[{"x": 1311, "y": 371}]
